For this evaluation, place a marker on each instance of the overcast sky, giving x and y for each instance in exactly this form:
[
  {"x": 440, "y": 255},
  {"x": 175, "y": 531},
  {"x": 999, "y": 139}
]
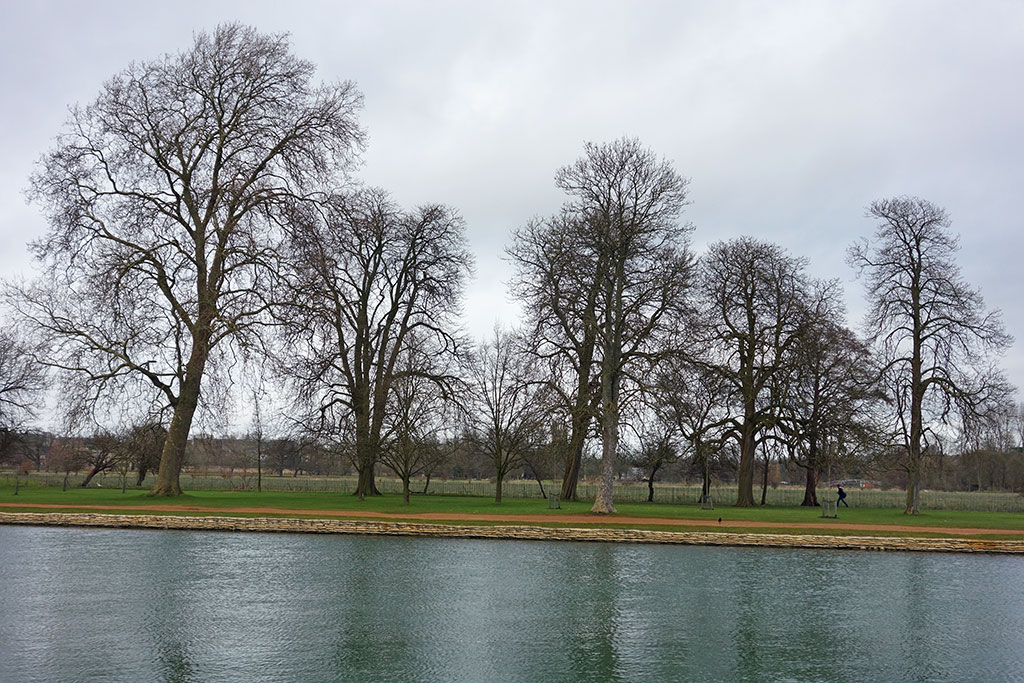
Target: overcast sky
[{"x": 788, "y": 117}]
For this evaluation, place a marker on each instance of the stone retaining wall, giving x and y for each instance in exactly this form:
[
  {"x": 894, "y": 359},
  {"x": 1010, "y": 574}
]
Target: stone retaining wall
[{"x": 532, "y": 533}]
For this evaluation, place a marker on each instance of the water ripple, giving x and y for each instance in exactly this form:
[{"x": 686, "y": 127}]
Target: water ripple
[{"x": 119, "y": 605}]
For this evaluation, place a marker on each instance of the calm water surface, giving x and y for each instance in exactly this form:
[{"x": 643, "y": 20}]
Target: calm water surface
[{"x": 120, "y": 605}]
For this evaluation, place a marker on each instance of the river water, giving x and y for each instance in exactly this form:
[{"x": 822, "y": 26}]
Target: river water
[{"x": 128, "y": 605}]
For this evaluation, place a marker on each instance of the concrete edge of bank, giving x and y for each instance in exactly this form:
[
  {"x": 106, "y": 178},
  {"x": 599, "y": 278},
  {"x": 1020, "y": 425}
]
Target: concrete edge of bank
[{"x": 530, "y": 533}]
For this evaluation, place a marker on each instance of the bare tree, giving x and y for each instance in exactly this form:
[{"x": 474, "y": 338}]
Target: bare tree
[
  {"x": 164, "y": 198},
  {"x": 693, "y": 399},
  {"x": 367, "y": 279},
  {"x": 623, "y": 212},
  {"x": 286, "y": 453},
  {"x": 36, "y": 446},
  {"x": 555, "y": 279},
  {"x": 136, "y": 447},
  {"x": 930, "y": 328},
  {"x": 99, "y": 453},
  {"x": 830, "y": 398},
  {"x": 753, "y": 295},
  {"x": 66, "y": 455},
  {"x": 507, "y": 418},
  {"x": 420, "y": 421},
  {"x": 654, "y": 448},
  {"x": 603, "y": 280}
]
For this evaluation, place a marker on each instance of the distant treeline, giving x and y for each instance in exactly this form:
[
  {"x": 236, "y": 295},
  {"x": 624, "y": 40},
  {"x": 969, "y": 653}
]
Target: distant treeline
[{"x": 34, "y": 451}]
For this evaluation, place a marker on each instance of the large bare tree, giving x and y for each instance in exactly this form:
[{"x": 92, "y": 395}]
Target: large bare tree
[
  {"x": 164, "y": 196},
  {"x": 606, "y": 282},
  {"x": 931, "y": 328},
  {"x": 368, "y": 280},
  {"x": 753, "y": 295}
]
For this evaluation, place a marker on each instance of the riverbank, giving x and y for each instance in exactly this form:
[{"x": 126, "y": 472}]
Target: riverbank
[{"x": 516, "y": 532}]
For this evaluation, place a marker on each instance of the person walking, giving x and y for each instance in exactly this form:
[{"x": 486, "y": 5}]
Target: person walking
[{"x": 842, "y": 496}]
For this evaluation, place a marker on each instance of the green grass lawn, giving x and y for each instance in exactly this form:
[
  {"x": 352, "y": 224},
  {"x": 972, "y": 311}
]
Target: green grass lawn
[
  {"x": 310, "y": 503},
  {"x": 625, "y": 491}
]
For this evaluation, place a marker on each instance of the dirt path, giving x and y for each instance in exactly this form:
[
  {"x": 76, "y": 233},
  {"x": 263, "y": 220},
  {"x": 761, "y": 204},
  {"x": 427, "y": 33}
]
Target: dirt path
[{"x": 523, "y": 519}]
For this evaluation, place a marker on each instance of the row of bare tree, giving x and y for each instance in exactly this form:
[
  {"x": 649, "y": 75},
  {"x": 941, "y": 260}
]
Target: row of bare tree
[{"x": 203, "y": 220}]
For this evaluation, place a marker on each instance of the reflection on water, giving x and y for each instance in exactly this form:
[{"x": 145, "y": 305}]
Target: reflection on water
[{"x": 118, "y": 605}]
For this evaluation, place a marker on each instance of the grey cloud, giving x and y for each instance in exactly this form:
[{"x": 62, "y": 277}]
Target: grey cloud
[{"x": 789, "y": 117}]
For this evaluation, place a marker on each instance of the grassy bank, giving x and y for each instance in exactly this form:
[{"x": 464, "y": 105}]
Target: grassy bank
[
  {"x": 307, "y": 504},
  {"x": 625, "y": 491}
]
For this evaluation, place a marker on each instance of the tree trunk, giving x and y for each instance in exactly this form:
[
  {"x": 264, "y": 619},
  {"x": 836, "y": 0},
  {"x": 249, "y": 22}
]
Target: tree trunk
[
  {"x": 705, "y": 485},
  {"x": 405, "y": 490},
  {"x": 365, "y": 485},
  {"x": 143, "y": 470},
  {"x": 913, "y": 491},
  {"x": 426, "y": 485},
  {"x": 575, "y": 460},
  {"x": 917, "y": 389},
  {"x": 914, "y": 460},
  {"x": 650, "y": 483},
  {"x": 745, "y": 476},
  {"x": 581, "y": 415},
  {"x": 764, "y": 479},
  {"x": 611, "y": 369},
  {"x": 539, "y": 483},
  {"x": 497, "y": 487},
  {"x": 609, "y": 443},
  {"x": 913, "y": 506},
  {"x": 810, "y": 489},
  {"x": 172, "y": 458},
  {"x": 366, "y": 458},
  {"x": 92, "y": 473},
  {"x": 913, "y": 472}
]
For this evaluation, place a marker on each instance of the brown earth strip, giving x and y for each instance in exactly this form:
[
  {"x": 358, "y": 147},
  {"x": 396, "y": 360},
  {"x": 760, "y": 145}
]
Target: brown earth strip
[
  {"x": 527, "y": 519},
  {"x": 337, "y": 526}
]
